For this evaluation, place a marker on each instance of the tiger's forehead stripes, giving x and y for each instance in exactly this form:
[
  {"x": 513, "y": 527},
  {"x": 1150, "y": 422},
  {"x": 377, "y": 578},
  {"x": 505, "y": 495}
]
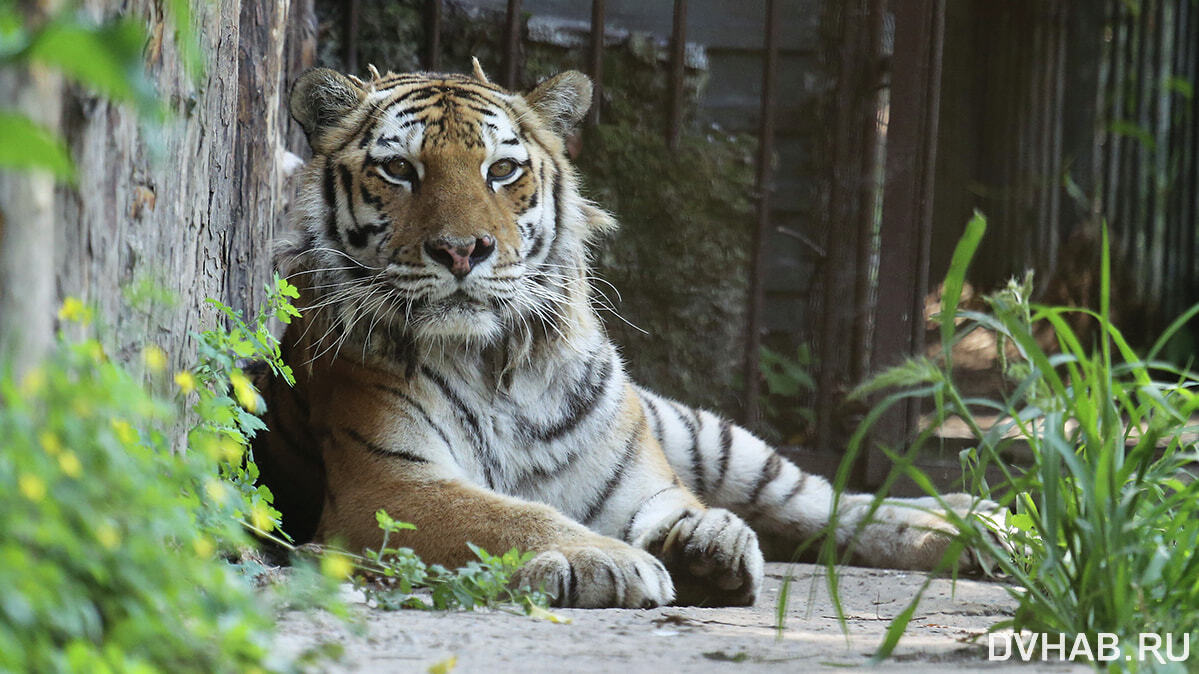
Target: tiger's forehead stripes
[
  {"x": 468, "y": 92},
  {"x": 440, "y": 113}
]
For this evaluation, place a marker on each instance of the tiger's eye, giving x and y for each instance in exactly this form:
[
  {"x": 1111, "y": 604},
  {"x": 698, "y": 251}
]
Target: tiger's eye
[
  {"x": 503, "y": 168},
  {"x": 400, "y": 169}
]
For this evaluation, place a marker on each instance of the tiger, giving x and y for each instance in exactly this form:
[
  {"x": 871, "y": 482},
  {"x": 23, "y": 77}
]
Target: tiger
[{"x": 451, "y": 368}]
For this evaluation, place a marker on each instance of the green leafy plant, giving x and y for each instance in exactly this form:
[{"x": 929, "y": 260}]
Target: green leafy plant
[
  {"x": 1104, "y": 522},
  {"x": 395, "y": 577},
  {"x": 105, "y": 57},
  {"x": 226, "y": 401},
  {"x": 110, "y": 545},
  {"x": 115, "y": 546},
  {"x": 787, "y": 378}
]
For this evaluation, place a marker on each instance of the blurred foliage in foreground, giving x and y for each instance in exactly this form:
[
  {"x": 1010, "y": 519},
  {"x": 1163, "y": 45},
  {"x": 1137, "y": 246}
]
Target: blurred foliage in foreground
[
  {"x": 113, "y": 545},
  {"x": 106, "y": 57}
]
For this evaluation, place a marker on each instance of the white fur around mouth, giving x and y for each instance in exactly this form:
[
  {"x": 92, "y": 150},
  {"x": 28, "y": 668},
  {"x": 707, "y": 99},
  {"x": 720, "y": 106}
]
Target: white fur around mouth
[{"x": 459, "y": 316}]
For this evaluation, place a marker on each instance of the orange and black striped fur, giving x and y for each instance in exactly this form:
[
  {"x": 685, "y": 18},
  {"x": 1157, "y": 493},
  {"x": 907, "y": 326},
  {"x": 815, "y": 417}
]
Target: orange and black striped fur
[{"x": 451, "y": 369}]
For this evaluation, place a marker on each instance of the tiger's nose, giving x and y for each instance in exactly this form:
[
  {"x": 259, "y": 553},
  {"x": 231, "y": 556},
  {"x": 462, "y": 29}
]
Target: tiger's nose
[{"x": 460, "y": 255}]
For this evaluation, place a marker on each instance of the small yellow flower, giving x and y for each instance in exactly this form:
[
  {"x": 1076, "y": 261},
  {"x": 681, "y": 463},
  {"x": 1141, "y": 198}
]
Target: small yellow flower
[
  {"x": 70, "y": 464},
  {"x": 33, "y": 382},
  {"x": 186, "y": 381},
  {"x": 203, "y": 547},
  {"x": 155, "y": 358},
  {"x": 73, "y": 309},
  {"x": 108, "y": 536},
  {"x": 32, "y": 487},
  {"x": 125, "y": 433},
  {"x": 261, "y": 518},
  {"x": 244, "y": 390},
  {"x": 336, "y": 565},
  {"x": 215, "y": 490},
  {"x": 445, "y": 666},
  {"x": 231, "y": 450},
  {"x": 50, "y": 442}
]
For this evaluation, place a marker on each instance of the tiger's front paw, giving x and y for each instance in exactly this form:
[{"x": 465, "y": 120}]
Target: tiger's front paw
[
  {"x": 712, "y": 555},
  {"x": 608, "y": 574}
]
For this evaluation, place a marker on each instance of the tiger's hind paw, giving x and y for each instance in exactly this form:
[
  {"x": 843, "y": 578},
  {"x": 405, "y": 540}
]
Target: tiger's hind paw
[
  {"x": 925, "y": 536},
  {"x": 713, "y": 557}
]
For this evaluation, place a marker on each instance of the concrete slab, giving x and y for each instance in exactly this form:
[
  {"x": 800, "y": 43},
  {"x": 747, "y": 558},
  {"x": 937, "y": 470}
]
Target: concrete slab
[{"x": 944, "y": 635}]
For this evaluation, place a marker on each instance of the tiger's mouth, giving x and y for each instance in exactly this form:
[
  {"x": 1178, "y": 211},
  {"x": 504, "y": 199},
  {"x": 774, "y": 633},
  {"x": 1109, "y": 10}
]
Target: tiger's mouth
[{"x": 457, "y": 315}]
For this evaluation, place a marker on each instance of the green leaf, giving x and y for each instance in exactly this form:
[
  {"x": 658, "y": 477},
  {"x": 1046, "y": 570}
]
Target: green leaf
[
  {"x": 1181, "y": 86},
  {"x": 27, "y": 146},
  {"x": 956, "y": 277},
  {"x": 106, "y": 58},
  {"x": 1124, "y": 127}
]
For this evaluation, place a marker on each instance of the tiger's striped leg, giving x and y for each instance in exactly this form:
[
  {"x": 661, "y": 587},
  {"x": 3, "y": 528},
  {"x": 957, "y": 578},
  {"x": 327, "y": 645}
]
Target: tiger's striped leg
[
  {"x": 575, "y": 565},
  {"x": 729, "y": 467},
  {"x": 712, "y": 555}
]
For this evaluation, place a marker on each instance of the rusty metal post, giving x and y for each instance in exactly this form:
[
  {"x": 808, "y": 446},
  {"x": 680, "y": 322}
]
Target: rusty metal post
[
  {"x": 907, "y": 200},
  {"x": 765, "y": 186},
  {"x": 678, "y": 57},
  {"x": 433, "y": 35},
  {"x": 596, "y": 56},
  {"x": 511, "y": 43},
  {"x": 351, "y": 36}
]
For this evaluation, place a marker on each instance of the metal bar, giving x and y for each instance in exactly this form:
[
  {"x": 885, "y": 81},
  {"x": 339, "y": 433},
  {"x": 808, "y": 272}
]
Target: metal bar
[
  {"x": 511, "y": 43},
  {"x": 1188, "y": 184},
  {"x": 596, "y": 57},
  {"x": 433, "y": 35},
  {"x": 872, "y": 152},
  {"x": 1176, "y": 282},
  {"x": 867, "y": 194},
  {"x": 1059, "y": 114},
  {"x": 678, "y": 55},
  {"x": 351, "y": 36},
  {"x": 907, "y": 200},
  {"x": 1025, "y": 87},
  {"x": 765, "y": 187},
  {"x": 1045, "y": 66},
  {"x": 1115, "y": 142},
  {"x": 1007, "y": 173}
]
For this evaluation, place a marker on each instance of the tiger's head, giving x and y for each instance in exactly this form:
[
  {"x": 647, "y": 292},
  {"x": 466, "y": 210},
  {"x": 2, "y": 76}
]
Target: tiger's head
[{"x": 440, "y": 205}]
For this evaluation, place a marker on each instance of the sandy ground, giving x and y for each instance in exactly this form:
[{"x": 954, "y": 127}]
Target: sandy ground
[{"x": 683, "y": 639}]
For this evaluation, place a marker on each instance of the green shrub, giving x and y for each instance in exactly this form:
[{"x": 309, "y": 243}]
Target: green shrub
[
  {"x": 394, "y": 577},
  {"x": 1104, "y": 526},
  {"x": 108, "y": 560},
  {"x": 114, "y": 550}
]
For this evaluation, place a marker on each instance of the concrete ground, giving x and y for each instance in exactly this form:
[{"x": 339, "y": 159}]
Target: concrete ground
[{"x": 943, "y": 635}]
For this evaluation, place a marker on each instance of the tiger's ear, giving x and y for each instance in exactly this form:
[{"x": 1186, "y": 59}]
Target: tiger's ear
[
  {"x": 477, "y": 71},
  {"x": 562, "y": 100},
  {"x": 320, "y": 97}
]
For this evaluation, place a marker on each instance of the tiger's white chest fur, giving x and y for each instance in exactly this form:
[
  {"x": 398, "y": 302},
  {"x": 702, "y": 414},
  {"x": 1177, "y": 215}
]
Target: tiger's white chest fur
[{"x": 541, "y": 431}]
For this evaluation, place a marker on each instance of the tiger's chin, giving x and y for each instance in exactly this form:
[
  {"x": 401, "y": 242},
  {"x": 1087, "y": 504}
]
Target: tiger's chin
[{"x": 468, "y": 323}]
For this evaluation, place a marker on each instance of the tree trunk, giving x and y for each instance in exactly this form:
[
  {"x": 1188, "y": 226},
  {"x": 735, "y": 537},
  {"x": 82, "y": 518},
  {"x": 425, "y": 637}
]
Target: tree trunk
[{"x": 189, "y": 207}]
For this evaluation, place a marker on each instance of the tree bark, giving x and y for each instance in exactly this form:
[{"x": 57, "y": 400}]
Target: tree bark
[{"x": 190, "y": 207}]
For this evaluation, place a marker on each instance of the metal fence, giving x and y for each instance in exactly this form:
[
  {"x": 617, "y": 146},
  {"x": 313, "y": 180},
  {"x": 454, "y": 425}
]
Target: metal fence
[{"x": 1049, "y": 115}]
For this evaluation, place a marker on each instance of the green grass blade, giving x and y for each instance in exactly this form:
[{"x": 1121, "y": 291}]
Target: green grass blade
[{"x": 956, "y": 278}]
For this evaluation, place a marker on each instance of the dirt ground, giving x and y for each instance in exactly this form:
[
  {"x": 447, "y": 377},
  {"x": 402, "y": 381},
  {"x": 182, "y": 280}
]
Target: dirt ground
[{"x": 684, "y": 639}]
